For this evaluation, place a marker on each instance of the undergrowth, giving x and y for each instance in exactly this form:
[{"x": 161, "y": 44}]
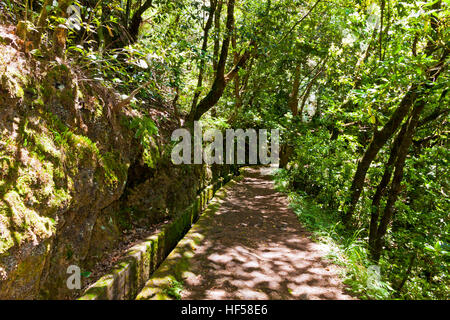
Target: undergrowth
[
  {"x": 347, "y": 250},
  {"x": 174, "y": 289}
]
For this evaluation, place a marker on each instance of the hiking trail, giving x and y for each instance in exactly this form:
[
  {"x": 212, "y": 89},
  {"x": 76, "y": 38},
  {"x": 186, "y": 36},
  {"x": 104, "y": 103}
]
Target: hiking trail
[{"x": 251, "y": 246}]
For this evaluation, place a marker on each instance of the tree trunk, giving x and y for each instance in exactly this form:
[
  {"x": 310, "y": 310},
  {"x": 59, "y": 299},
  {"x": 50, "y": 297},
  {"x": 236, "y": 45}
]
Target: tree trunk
[
  {"x": 379, "y": 193},
  {"x": 43, "y": 15},
  {"x": 216, "y": 49},
  {"x": 383, "y": 3},
  {"x": 208, "y": 26},
  {"x": 219, "y": 83},
  {"x": 127, "y": 13},
  {"x": 293, "y": 98},
  {"x": 407, "y": 273},
  {"x": 136, "y": 20},
  {"x": 348, "y": 103},
  {"x": 379, "y": 140},
  {"x": 217, "y": 35},
  {"x": 309, "y": 87},
  {"x": 60, "y": 34},
  {"x": 396, "y": 181},
  {"x": 237, "y": 81},
  {"x": 381, "y": 137}
]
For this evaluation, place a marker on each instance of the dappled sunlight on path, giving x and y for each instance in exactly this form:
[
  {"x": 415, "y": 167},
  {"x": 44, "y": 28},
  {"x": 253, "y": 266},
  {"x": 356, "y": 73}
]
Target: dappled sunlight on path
[{"x": 255, "y": 248}]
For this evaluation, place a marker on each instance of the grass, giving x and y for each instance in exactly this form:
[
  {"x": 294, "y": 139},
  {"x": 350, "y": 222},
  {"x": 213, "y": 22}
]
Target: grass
[
  {"x": 174, "y": 289},
  {"x": 347, "y": 250}
]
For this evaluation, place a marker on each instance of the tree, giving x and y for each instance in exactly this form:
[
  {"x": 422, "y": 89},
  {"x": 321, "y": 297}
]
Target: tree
[{"x": 221, "y": 79}]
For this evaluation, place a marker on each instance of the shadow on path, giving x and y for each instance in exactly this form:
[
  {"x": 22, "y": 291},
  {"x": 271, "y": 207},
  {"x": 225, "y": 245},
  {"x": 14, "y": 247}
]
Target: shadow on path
[{"x": 255, "y": 248}]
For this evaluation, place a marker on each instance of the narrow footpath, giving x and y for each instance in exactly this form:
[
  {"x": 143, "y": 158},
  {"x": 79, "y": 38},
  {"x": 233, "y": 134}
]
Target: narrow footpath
[{"x": 250, "y": 247}]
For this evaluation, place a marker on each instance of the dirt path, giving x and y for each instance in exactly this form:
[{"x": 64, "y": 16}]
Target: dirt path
[
  {"x": 256, "y": 249},
  {"x": 251, "y": 246}
]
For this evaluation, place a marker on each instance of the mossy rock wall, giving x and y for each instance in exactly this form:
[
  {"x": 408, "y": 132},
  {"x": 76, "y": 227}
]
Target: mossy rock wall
[
  {"x": 60, "y": 166},
  {"x": 73, "y": 176}
]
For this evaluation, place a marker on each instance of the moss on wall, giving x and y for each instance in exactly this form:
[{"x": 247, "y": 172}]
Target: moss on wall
[{"x": 65, "y": 163}]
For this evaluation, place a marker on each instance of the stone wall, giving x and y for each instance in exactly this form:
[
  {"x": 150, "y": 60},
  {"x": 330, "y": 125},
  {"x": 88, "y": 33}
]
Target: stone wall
[
  {"x": 131, "y": 273},
  {"x": 74, "y": 175}
]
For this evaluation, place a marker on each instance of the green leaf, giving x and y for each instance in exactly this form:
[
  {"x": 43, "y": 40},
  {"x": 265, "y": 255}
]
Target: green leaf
[{"x": 86, "y": 274}]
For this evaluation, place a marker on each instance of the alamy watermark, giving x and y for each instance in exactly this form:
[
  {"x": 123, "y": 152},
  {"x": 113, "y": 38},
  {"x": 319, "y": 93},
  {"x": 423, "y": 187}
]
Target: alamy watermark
[
  {"x": 223, "y": 151},
  {"x": 75, "y": 19},
  {"x": 373, "y": 277},
  {"x": 74, "y": 280}
]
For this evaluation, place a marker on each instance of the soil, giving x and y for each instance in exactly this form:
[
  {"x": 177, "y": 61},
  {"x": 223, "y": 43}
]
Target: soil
[{"x": 257, "y": 249}]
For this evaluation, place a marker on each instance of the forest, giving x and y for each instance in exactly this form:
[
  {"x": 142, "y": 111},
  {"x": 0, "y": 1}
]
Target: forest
[{"x": 91, "y": 91}]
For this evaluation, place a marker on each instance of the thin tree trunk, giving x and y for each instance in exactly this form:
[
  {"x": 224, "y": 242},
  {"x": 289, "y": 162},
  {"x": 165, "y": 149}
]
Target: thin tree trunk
[
  {"x": 247, "y": 77},
  {"x": 220, "y": 82},
  {"x": 348, "y": 103},
  {"x": 382, "y": 6},
  {"x": 136, "y": 20},
  {"x": 388, "y": 26},
  {"x": 293, "y": 98},
  {"x": 309, "y": 87},
  {"x": 60, "y": 34},
  {"x": 379, "y": 193},
  {"x": 43, "y": 15},
  {"x": 408, "y": 272},
  {"x": 379, "y": 140},
  {"x": 127, "y": 13},
  {"x": 396, "y": 181},
  {"x": 407, "y": 139},
  {"x": 217, "y": 35},
  {"x": 208, "y": 26},
  {"x": 104, "y": 36},
  {"x": 242, "y": 90},
  {"x": 237, "y": 81},
  {"x": 298, "y": 22},
  {"x": 217, "y": 17},
  {"x": 381, "y": 137},
  {"x": 41, "y": 23},
  {"x": 241, "y": 62}
]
